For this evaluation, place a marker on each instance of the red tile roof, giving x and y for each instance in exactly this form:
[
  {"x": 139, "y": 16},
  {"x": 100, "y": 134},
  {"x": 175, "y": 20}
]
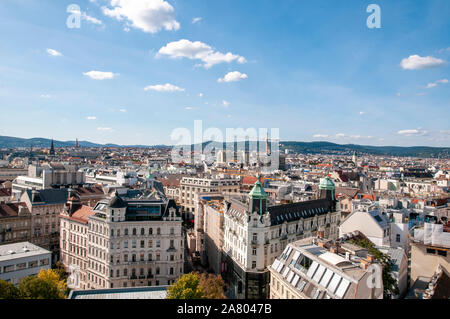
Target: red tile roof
[{"x": 81, "y": 215}]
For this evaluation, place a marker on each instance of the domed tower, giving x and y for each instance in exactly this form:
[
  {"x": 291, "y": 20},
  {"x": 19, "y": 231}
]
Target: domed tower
[
  {"x": 258, "y": 198},
  {"x": 327, "y": 190}
]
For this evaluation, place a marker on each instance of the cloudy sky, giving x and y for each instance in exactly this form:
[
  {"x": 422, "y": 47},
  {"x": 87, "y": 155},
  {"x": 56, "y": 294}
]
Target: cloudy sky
[{"x": 135, "y": 70}]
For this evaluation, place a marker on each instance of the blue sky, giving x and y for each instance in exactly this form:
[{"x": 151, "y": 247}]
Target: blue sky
[{"x": 313, "y": 69}]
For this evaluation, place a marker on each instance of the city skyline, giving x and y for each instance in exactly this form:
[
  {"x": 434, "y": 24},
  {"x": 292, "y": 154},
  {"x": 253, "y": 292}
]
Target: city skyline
[{"x": 130, "y": 75}]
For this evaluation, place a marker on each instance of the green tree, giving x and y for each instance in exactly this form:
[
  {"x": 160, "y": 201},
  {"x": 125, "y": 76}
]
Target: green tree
[
  {"x": 390, "y": 286},
  {"x": 8, "y": 290},
  {"x": 187, "y": 287},
  {"x": 212, "y": 286},
  {"x": 46, "y": 285}
]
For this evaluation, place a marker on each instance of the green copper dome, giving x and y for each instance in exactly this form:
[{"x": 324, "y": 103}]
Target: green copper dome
[
  {"x": 326, "y": 184},
  {"x": 258, "y": 190}
]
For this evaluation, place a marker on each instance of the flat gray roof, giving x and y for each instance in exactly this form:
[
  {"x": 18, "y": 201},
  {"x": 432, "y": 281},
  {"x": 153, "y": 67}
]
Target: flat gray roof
[
  {"x": 154, "y": 292},
  {"x": 20, "y": 250}
]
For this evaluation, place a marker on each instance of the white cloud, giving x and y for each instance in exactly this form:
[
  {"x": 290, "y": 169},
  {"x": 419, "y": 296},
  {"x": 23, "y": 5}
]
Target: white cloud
[
  {"x": 86, "y": 17},
  {"x": 150, "y": 16},
  {"x": 195, "y": 20},
  {"x": 416, "y": 62},
  {"x": 45, "y": 96},
  {"x": 362, "y": 113},
  {"x": 412, "y": 132},
  {"x": 98, "y": 75},
  {"x": 226, "y": 103},
  {"x": 201, "y": 95},
  {"x": 189, "y": 108},
  {"x": 356, "y": 137},
  {"x": 91, "y": 118},
  {"x": 53, "y": 52},
  {"x": 164, "y": 88},
  {"x": 198, "y": 51},
  {"x": 104, "y": 129},
  {"x": 435, "y": 83},
  {"x": 233, "y": 77},
  {"x": 320, "y": 136},
  {"x": 123, "y": 110}
]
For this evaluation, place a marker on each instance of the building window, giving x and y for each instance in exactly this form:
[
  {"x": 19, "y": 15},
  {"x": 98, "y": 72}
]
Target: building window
[
  {"x": 126, "y": 231},
  {"x": 431, "y": 251},
  {"x": 134, "y": 231},
  {"x": 398, "y": 238},
  {"x": 142, "y": 244},
  {"x": 253, "y": 264},
  {"x": 150, "y": 244},
  {"x": 150, "y": 231},
  {"x": 442, "y": 253},
  {"x": 142, "y": 231},
  {"x": 172, "y": 231},
  {"x": 158, "y": 244},
  {"x": 254, "y": 252},
  {"x": 158, "y": 231}
]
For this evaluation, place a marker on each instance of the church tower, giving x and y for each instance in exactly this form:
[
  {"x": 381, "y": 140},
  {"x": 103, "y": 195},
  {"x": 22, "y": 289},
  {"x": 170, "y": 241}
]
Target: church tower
[{"x": 52, "y": 149}]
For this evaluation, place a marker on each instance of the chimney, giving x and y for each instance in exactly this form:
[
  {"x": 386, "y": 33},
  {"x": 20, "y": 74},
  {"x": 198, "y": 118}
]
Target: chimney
[
  {"x": 321, "y": 234},
  {"x": 333, "y": 249},
  {"x": 370, "y": 258}
]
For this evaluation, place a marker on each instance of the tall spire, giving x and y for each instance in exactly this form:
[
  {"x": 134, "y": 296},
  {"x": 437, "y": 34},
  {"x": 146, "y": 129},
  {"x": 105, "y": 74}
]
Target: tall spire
[
  {"x": 52, "y": 148},
  {"x": 267, "y": 144},
  {"x": 76, "y": 144}
]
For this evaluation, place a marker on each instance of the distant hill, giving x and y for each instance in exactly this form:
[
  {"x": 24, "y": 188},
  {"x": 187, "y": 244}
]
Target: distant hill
[
  {"x": 298, "y": 147},
  {"x": 15, "y": 142},
  {"x": 327, "y": 147}
]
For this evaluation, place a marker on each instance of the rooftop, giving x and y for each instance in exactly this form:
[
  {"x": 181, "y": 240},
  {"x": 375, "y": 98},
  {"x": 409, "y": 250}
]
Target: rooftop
[
  {"x": 159, "y": 292},
  {"x": 20, "y": 250}
]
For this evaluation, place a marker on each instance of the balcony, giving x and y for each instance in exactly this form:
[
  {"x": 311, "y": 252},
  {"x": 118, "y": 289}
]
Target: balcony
[{"x": 150, "y": 276}]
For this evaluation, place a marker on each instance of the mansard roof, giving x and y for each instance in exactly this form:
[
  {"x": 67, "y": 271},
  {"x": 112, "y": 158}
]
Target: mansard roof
[{"x": 296, "y": 211}]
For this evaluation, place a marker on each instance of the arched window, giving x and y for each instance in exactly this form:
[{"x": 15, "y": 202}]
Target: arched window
[
  {"x": 126, "y": 231},
  {"x": 134, "y": 231},
  {"x": 150, "y": 231}
]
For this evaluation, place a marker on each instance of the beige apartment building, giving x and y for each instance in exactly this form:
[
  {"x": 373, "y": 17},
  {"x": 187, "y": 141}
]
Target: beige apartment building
[
  {"x": 15, "y": 223},
  {"x": 209, "y": 228},
  {"x": 210, "y": 184}
]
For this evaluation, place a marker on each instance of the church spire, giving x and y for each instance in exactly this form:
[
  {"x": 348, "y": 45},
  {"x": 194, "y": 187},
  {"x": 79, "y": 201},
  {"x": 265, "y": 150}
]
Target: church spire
[{"x": 52, "y": 148}]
